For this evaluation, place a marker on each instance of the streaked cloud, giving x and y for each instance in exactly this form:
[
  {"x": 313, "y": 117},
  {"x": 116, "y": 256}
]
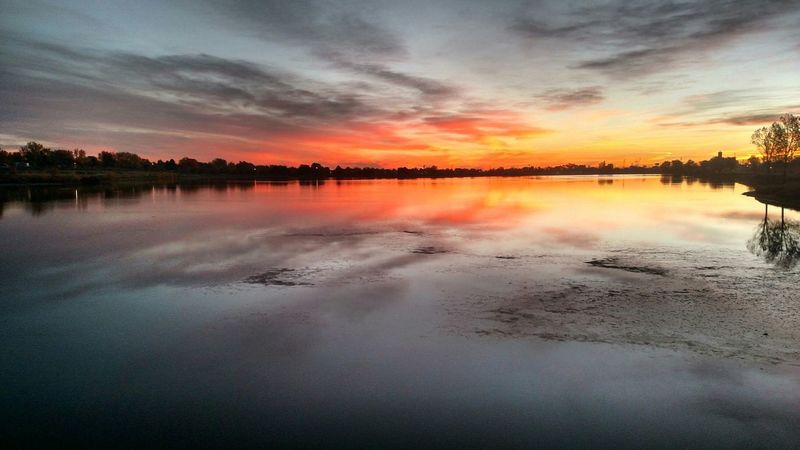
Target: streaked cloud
[
  {"x": 561, "y": 99},
  {"x": 640, "y": 38}
]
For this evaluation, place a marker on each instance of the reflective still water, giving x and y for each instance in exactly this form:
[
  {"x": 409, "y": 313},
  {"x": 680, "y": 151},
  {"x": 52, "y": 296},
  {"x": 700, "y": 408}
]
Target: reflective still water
[{"x": 556, "y": 311}]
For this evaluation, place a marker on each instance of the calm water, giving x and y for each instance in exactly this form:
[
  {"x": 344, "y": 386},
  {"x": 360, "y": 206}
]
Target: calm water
[{"x": 562, "y": 311}]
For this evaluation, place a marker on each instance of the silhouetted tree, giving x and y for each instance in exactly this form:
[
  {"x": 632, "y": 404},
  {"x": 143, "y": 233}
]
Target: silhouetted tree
[
  {"x": 92, "y": 161},
  {"x": 125, "y": 160},
  {"x": 63, "y": 159},
  {"x": 187, "y": 164},
  {"x": 791, "y": 126},
  {"x": 107, "y": 159},
  {"x": 219, "y": 165},
  {"x": 79, "y": 155},
  {"x": 779, "y": 143},
  {"x": 35, "y": 154},
  {"x": 754, "y": 164},
  {"x": 719, "y": 164},
  {"x": 244, "y": 167}
]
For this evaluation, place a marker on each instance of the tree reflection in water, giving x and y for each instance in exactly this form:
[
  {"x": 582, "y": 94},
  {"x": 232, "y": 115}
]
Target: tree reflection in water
[{"x": 778, "y": 242}]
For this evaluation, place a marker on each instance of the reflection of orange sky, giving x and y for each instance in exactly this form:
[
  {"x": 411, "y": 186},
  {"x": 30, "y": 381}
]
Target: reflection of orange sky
[
  {"x": 577, "y": 211},
  {"x": 504, "y": 203},
  {"x": 581, "y": 212}
]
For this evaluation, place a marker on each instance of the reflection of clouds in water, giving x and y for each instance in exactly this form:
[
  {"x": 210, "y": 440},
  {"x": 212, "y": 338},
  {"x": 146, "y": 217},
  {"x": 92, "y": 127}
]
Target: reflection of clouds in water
[
  {"x": 477, "y": 213},
  {"x": 233, "y": 255},
  {"x": 367, "y": 389},
  {"x": 151, "y": 320},
  {"x": 355, "y": 301},
  {"x": 572, "y": 238},
  {"x": 752, "y": 405},
  {"x": 698, "y": 232},
  {"x": 748, "y": 215}
]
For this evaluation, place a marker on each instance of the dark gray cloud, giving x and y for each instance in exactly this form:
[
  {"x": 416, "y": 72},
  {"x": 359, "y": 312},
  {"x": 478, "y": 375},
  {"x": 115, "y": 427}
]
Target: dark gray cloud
[
  {"x": 747, "y": 119},
  {"x": 718, "y": 100},
  {"x": 756, "y": 119},
  {"x": 238, "y": 85},
  {"x": 137, "y": 98},
  {"x": 431, "y": 88},
  {"x": 51, "y": 88},
  {"x": 653, "y": 36},
  {"x": 195, "y": 78},
  {"x": 561, "y": 99},
  {"x": 317, "y": 24},
  {"x": 725, "y": 107},
  {"x": 336, "y": 33}
]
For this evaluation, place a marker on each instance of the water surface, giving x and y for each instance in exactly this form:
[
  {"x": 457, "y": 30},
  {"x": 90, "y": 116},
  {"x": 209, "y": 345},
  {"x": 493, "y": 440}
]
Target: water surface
[{"x": 554, "y": 311}]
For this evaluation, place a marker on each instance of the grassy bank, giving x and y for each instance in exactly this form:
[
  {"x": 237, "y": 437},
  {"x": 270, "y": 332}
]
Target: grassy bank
[{"x": 103, "y": 177}]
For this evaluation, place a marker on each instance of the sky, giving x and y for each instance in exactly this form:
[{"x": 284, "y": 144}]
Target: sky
[{"x": 399, "y": 83}]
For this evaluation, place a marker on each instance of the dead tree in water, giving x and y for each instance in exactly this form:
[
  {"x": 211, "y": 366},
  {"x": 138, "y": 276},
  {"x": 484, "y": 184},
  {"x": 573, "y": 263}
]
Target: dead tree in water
[{"x": 778, "y": 242}]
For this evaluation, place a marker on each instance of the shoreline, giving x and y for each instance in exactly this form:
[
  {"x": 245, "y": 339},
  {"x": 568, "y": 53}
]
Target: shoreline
[
  {"x": 100, "y": 177},
  {"x": 780, "y": 195}
]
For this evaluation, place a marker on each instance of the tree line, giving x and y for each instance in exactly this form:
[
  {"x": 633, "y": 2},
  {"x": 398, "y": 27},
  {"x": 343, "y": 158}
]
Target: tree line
[
  {"x": 778, "y": 145},
  {"x": 34, "y": 155}
]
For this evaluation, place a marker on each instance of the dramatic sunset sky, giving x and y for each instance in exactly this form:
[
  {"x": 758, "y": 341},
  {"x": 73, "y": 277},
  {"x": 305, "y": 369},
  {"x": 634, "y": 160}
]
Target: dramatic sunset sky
[{"x": 388, "y": 83}]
